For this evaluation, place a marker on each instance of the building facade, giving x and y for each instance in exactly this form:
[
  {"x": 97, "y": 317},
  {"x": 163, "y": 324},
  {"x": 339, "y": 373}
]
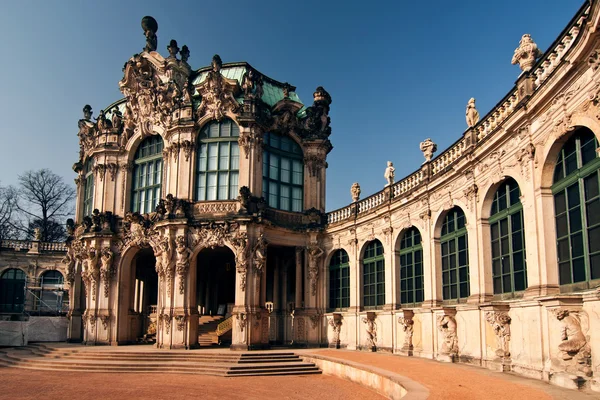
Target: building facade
[{"x": 202, "y": 192}]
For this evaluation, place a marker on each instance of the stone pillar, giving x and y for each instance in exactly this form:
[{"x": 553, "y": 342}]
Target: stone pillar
[
  {"x": 391, "y": 299},
  {"x": 74, "y": 331},
  {"x": 432, "y": 262}
]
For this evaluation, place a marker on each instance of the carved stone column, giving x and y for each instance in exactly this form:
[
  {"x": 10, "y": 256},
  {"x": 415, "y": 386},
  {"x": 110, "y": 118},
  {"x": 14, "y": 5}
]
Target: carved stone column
[
  {"x": 74, "y": 331},
  {"x": 298, "y": 299}
]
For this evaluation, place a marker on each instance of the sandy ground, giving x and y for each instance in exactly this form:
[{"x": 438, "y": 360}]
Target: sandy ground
[{"x": 29, "y": 384}]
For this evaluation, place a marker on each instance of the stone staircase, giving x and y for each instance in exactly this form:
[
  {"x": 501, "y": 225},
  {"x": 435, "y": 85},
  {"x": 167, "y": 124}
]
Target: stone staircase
[
  {"x": 207, "y": 330},
  {"x": 149, "y": 360}
]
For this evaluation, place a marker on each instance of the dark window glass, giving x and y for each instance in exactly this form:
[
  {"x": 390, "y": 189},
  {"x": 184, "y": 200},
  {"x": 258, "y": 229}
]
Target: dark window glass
[
  {"x": 411, "y": 268},
  {"x": 339, "y": 280},
  {"x": 373, "y": 275},
  {"x": 455, "y": 257},
  {"x": 147, "y": 175}
]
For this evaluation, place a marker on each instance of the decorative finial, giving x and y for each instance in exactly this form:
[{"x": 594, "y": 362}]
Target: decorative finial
[
  {"x": 87, "y": 112},
  {"x": 428, "y": 148},
  {"x": 321, "y": 96},
  {"x": 472, "y": 114},
  {"x": 185, "y": 53},
  {"x": 526, "y": 54},
  {"x": 150, "y": 27},
  {"x": 216, "y": 63},
  {"x": 173, "y": 49},
  {"x": 355, "y": 191},
  {"x": 390, "y": 173}
]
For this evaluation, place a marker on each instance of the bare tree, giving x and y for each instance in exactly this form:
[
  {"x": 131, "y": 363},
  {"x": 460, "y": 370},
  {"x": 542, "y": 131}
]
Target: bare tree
[
  {"x": 7, "y": 208},
  {"x": 45, "y": 201}
]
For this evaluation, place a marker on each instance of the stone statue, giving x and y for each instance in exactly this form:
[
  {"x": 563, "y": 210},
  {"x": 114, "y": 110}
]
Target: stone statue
[
  {"x": 472, "y": 114},
  {"x": 390, "y": 173},
  {"x": 87, "y": 112},
  {"x": 117, "y": 119},
  {"x": 37, "y": 234},
  {"x": 526, "y": 54},
  {"x": 355, "y": 191},
  {"x": 102, "y": 122},
  {"x": 500, "y": 322},
  {"x": 173, "y": 49},
  {"x": 574, "y": 349},
  {"x": 314, "y": 253},
  {"x": 408, "y": 328},
  {"x": 150, "y": 27},
  {"x": 106, "y": 271},
  {"x": 428, "y": 148},
  {"x": 185, "y": 54},
  {"x": 183, "y": 254},
  {"x": 216, "y": 63},
  {"x": 447, "y": 325},
  {"x": 371, "y": 331},
  {"x": 260, "y": 254}
]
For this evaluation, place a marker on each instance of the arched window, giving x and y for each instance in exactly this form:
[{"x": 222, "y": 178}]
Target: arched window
[
  {"x": 373, "y": 275},
  {"x": 339, "y": 280},
  {"x": 12, "y": 291},
  {"x": 283, "y": 173},
  {"x": 509, "y": 271},
  {"x": 577, "y": 210},
  {"x": 411, "y": 268},
  {"x": 88, "y": 190},
  {"x": 147, "y": 175},
  {"x": 455, "y": 256},
  {"x": 52, "y": 293},
  {"x": 218, "y": 160}
]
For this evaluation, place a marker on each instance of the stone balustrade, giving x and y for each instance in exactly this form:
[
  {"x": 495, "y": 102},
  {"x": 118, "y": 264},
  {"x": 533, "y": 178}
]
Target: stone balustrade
[{"x": 19, "y": 245}]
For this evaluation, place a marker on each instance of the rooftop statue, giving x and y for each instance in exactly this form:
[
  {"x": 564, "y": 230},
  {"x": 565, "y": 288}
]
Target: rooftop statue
[
  {"x": 87, "y": 112},
  {"x": 526, "y": 54},
  {"x": 173, "y": 49},
  {"x": 428, "y": 148},
  {"x": 150, "y": 27},
  {"x": 355, "y": 191},
  {"x": 390, "y": 173},
  {"x": 472, "y": 114}
]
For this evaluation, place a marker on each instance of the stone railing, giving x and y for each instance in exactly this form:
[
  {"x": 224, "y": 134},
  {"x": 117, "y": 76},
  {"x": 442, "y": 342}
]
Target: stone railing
[
  {"x": 371, "y": 202},
  {"x": 19, "y": 245},
  {"x": 407, "y": 184},
  {"x": 224, "y": 326},
  {"x": 449, "y": 156}
]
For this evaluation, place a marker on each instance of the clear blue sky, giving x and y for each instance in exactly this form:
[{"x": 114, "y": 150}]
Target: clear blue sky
[{"x": 398, "y": 71}]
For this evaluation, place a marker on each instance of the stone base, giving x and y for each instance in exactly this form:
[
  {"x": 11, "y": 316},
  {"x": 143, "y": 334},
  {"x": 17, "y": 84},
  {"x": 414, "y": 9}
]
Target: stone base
[
  {"x": 449, "y": 358},
  {"x": 334, "y": 345},
  {"x": 568, "y": 381},
  {"x": 500, "y": 365},
  {"x": 406, "y": 351},
  {"x": 239, "y": 347},
  {"x": 595, "y": 385}
]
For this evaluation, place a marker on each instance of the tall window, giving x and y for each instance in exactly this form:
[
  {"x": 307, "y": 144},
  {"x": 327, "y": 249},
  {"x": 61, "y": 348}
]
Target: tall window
[
  {"x": 12, "y": 291},
  {"x": 509, "y": 271},
  {"x": 411, "y": 268},
  {"x": 88, "y": 189},
  {"x": 217, "y": 167},
  {"x": 577, "y": 210},
  {"x": 147, "y": 175},
  {"x": 339, "y": 280},
  {"x": 455, "y": 256},
  {"x": 283, "y": 173},
  {"x": 373, "y": 275},
  {"x": 51, "y": 298}
]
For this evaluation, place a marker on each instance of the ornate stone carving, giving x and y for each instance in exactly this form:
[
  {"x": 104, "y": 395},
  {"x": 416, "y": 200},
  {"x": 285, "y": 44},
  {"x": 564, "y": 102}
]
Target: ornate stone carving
[
  {"x": 106, "y": 270},
  {"x": 314, "y": 320},
  {"x": 336, "y": 324},
  {"x": 183, "y": 254},
  {"x": 102, "y": 123},
  {"x": 472, "y": 115},
  {"x": 314, "y": 254},
  {"x": 180, "y": 321},
  {"x": 526, "y": 54},
  {"x": 69, "y": 261},
  {"x": 371, "y": 330},
  {"x": 187, "y": 147},
  {"x": 165, "y": 268},
  {"x": 242, "y": 322},
  {"x": 90, "y": 271},
  {"x": 317, "y": 116},
  {"x": 447, "y": 326},
  {"x": 315, "y": 164},
  {"x": 105, "y": 319},
  {"x": 574, "y": 350},
  {"x": 407, "y": 323},
  {"x": 166, "y": 319},
  {"x": 150, "y": 27},
  {"x": 252, "y": 84},
  {"x": 524, "y": 156},
  {"x": 217, "y": 92},
  {"x": 91, "y": 317},
  {"x": 240, "y": 243},
  {"x": 355, "y": 191},
  {"x": 100, "y": 171},
  {"x": 500, "y": 321},
  {"x": 389, "y": 174},
  {"x": 138, "y": 230},
  {"x": 117, "y": 119},
  {"x": 260, "y": 254},
  {"x": 212, "y": 235},
  {"x": 428, "y": 148},
  {"x": 470, "y": 195}
]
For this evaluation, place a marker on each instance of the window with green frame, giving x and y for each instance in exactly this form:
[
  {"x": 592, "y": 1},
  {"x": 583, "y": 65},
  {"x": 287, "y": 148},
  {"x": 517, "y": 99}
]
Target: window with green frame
[
  {"x": 373, "y": 276},
  {"x": 509, "y": 270},
  {"x": 217, "y": 162},
  {"x": 577, "y": 211},
  {"x": 12, "y": 291},
  {"x": 283, "y": 173},
  {"x": 339, "y": 280},
  {"x": 147, "y": 175},
  {"x": 88, "y": 188},
  {"x": 411, "y": 268},
  {"x": 455, "y": 256}
]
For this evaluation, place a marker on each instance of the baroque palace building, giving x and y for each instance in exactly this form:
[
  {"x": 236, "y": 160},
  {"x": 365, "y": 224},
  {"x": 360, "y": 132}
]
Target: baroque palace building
[{"x": 202, "y": 194}]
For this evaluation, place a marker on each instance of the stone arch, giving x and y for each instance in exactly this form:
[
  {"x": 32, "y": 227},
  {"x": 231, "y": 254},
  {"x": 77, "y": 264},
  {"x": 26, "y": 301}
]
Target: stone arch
[
  {"x": 327, "y": 277},
  {"x": 441, "y": 214},
  {"x": 332, "y": 252},
  {"x": 552, "y": 149},
  {"x": 361, "y": 269},
  {"x": 490, "y": 191},
  {"x": 134, "y": 143}
]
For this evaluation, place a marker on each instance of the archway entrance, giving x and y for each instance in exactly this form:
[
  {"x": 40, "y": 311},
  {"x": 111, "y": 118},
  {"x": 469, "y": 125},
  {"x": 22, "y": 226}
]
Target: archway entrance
[
  {"x": 143, "y": 297},
  {"x": 215, "y": 293}
]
